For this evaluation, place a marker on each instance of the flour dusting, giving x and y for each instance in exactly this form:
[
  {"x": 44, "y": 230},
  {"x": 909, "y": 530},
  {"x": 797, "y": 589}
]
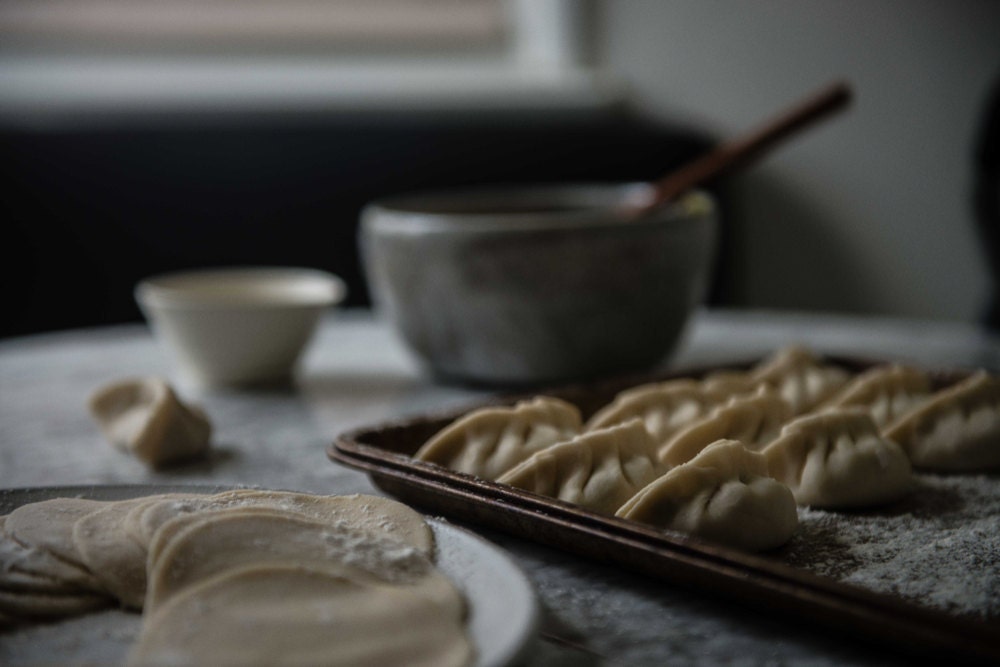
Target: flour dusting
[{"x": 938, "y": 547}]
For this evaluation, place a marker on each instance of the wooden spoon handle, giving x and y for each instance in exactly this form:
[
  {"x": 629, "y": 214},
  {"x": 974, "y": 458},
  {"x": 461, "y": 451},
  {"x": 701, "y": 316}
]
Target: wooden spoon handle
[{"x": 739, "y": 152}]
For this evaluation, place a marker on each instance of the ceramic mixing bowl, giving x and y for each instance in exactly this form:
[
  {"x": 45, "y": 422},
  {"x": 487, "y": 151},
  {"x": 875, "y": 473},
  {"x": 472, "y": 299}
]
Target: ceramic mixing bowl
[{"x": 516, "y": 286}]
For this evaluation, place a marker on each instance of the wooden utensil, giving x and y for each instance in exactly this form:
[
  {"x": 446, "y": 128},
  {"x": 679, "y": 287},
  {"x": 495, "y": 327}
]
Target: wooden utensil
[{"x": 740, "y": 152}]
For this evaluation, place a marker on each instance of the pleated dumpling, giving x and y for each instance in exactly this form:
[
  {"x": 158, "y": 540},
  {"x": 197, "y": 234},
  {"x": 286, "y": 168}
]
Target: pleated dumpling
[
  {"x": 598, "y": 470},
  {"x": 727, "y": 384},
  {"x": 490, "y": 441},
  {"x": 800, "y": 377},
  {"x": 754, "y": 420},
  {"x": 666, "y": 407},
  {"x": 887, "y": 392},
  {"x": 724, "y": 494},
  {"x": 955, "y": 429},
  {"x": 839, "y": 459}
]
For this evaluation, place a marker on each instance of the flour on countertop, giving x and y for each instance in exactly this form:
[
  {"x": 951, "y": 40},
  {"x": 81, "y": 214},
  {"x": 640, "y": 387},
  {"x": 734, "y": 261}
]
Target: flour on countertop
[{"x": 939, "y": 547}]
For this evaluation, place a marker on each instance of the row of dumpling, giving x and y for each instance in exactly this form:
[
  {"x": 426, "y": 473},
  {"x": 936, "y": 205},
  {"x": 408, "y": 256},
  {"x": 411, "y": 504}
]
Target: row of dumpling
[{"x": 729, "y": 457}]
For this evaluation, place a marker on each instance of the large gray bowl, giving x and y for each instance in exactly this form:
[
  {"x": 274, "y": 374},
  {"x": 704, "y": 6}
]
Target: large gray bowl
[{"x": 529, "y": 285}]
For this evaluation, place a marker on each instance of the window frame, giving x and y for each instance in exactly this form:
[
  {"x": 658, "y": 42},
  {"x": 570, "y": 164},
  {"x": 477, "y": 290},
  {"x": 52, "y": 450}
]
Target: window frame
[{"x": 543, "y": 66}]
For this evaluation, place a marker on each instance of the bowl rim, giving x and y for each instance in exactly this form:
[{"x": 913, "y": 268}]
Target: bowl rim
[
  {"x": 249, "y": 287},
  {"x": 586, "y": 205}
]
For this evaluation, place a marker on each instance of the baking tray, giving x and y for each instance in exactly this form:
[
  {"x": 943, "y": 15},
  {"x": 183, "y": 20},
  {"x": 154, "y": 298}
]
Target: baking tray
[{"x": 385, "y": 451}]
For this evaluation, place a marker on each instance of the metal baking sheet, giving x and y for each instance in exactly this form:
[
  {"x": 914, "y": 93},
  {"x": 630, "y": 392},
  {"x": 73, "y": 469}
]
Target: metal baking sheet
[{"x": 760, "y": 581}]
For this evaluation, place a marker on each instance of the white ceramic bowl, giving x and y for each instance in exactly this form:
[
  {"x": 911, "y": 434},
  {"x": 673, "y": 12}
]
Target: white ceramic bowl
[
  {"x": 242, "y": 325},
  {"x": 537, "y": 284}
]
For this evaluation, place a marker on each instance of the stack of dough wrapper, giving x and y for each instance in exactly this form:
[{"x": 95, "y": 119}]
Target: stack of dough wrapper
[
  {"x": 243, "y": 577},
  {"x": 730, "y": 456}
]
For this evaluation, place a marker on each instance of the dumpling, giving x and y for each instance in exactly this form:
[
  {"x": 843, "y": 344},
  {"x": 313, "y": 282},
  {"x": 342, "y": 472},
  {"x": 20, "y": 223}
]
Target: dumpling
[
  {"x": 838, "y": 459},
  {"x": 724, "y": 494},
  {"x": 667, "y": 407},
  {"x": 800, "y": 378},
  {"x": 144, "y": 417},
  {"x": 663, "y": 407},
  {"x": 598, "y": 470},
  {"x": 753, "y": 420},
  {"x": 956, "y": 429},
  {"x": 887, "y": 392},
  {"x": 490, "y": 441},
  {"x": 726, "y": 384}
]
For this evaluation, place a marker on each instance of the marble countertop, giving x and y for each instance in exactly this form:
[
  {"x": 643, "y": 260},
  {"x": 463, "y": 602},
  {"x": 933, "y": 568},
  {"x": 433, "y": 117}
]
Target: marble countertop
[{"x": 356, "y": 373}]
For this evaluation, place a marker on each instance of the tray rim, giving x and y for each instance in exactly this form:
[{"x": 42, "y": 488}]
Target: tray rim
[{"x": 867, "y": 614}]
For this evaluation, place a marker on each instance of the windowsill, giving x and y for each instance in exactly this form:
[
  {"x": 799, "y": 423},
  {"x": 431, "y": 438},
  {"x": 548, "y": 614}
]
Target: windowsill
[{"x": 46, "y": 90}]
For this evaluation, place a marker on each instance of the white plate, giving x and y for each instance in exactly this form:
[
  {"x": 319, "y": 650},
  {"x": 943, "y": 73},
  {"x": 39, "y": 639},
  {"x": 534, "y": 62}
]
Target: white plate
[{"x": 503, "y": 610}]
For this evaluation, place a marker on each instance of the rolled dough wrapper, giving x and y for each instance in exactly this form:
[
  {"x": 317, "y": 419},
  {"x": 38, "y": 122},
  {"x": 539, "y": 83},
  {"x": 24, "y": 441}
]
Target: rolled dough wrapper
[
  {"x": 36, "y": 567},
  {"x": 22, "y": 605},
  {"x": 292, "y": 615},
  {"x": 109, "y": 551},
  {"x": 133, "y": 521},
  {"x": 205, "y": 544},
  {"x": 374, "y": 514}
]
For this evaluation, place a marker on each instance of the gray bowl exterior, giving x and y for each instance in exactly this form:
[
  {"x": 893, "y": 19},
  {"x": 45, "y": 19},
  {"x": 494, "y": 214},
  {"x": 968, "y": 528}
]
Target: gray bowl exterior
[{"x": 520, "y": 303}]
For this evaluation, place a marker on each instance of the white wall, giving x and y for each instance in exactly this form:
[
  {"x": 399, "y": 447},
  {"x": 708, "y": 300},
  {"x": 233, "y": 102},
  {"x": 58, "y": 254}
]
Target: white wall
[{"x": 870, "y": 212}]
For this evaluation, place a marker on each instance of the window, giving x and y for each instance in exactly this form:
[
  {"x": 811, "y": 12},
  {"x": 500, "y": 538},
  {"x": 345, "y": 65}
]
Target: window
[
  {"x": 233, "y": 25},
  {"x": 135, "y": 55}
]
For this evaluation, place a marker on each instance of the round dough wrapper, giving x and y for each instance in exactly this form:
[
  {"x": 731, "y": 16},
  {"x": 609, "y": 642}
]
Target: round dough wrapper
[
  {"x": 24, "y": 605},
  {"x": 288, "y": 615},
  {"x": 134, "y": 520},
  {"x": 203, "y": 545},
  {"x": 48, "y": 524},
  {"x": 33, "y": 568},
  {"x": 109, "y": 551},
  {"x": 377, "y": 515}
]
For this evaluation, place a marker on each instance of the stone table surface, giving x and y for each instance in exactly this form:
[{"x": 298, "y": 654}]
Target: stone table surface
[{"x": 357, "y": 373}]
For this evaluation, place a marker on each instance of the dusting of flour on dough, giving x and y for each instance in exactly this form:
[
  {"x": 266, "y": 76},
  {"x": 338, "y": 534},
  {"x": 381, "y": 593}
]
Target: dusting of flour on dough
[
  {"x": 389, "y": 558},
  {"x": 938, "y": 547}
]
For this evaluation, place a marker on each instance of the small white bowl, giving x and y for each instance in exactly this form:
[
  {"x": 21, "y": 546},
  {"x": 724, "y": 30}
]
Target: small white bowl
[{"x": 233, "y": 326}]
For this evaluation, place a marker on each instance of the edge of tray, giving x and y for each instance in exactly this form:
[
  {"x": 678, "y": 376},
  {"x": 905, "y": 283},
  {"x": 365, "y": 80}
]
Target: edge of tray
[{"x": 672, "y": 557}]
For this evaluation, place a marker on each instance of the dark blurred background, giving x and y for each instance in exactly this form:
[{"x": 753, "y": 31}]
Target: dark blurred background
[
  {"x": 92, "y": 211},
  {"x": 142, "y": 136}
]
